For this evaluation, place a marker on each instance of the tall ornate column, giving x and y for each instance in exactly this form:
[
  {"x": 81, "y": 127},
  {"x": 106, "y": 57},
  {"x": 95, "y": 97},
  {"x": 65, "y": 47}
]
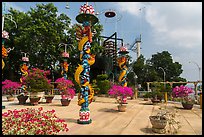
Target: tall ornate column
[
  {"x": 64, "y": 65},
  {"x": 5, "y": 36},
  {"x": 24, "y": 69},
  {"x": 84, "y": 35},
  {"x": 122, "y": 61}
]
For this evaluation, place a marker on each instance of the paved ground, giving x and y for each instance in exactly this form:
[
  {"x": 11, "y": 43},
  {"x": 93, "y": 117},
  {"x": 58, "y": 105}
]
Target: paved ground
[{"x": 106, "y": 120}]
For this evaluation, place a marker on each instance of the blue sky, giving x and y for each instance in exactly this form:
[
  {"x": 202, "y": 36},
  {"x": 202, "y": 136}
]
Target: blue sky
[{"x": 172, "y": 26}]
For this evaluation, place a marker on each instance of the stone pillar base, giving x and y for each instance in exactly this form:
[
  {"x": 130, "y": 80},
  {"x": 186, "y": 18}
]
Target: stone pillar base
[{"x": 84, "y": 115}]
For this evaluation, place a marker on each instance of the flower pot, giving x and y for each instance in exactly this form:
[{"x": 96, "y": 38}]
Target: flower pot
[
  {"x": 10, "y": 98},
  {"x": 34, "y": 100},
  {"x": 145, "y": 99},
  {"x": 65, "y": 102},
  {"x": 121, "y": 108},
  {"x": 158, "y": 124},
  {"x": 22, "y": 99},
  {"x": 155, "y": 100},
  {"x": 187, "y": 106},
  {"x": 38, "y": 94},
  {"x": 49, "y": 99}
]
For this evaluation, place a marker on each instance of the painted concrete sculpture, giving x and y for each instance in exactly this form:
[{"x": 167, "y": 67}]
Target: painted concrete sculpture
[
  {"x": 82, "y": 77},
  {"x": 5, "y": 36},
  {"x": 122, "y": 61},
  {"x": 65, "y": 65}
]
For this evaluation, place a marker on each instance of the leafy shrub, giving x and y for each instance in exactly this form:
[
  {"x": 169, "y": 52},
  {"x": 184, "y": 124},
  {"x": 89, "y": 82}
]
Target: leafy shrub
[{"x": 104, "y": 86}]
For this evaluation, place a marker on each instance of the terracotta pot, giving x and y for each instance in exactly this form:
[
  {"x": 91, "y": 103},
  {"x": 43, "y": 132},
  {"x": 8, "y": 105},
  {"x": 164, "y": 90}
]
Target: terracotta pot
[
  {"x": 49, "y": 99},
  {"x": 145, "y": 99},
  {"x": 10, "y": 98},
  {"x": 155, "y": 100},
  {"x": 34, "y": 101},
  {"x": 121, "y": 108},
  {"x": 22, "y": 99},
  {"x": 187, "y": 106},
  {"x": 158, "y": 122},
  {"x": 65, "y": 102},
  {"x": 38, "y": 94}
]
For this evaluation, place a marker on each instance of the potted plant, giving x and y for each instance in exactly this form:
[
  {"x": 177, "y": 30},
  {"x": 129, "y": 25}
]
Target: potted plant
[
  {"x": 119, "y": 92},
  {"x": 96, "y": 90},
  {"x": 156, "y": 96},
  {"x": 163, "y": 119},
  {"x": 183, "y": 93},
  {"x": 67, "y": 91},
  {"x": 32, "y": 121},
  {"x": 37, "y": 82},
  {"x": 9, "y": 88},
  {"x": 146, "y": 96},
  {"x": 49, "y": 98}
]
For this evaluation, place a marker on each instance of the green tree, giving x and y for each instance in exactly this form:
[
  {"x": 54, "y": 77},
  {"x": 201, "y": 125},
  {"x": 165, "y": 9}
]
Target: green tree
[
  {"x": 39, "y": 32},
  {"x": 148, "y": 70},
  {"x": 164, "y": 60}
]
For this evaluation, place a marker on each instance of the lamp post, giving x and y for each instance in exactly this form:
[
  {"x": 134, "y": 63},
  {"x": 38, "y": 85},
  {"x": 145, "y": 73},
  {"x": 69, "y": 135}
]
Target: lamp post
[
  {"x": 165, "y": 94},
  {"x": 136, "y": 92},
  {"x": 199, "y": 68}
]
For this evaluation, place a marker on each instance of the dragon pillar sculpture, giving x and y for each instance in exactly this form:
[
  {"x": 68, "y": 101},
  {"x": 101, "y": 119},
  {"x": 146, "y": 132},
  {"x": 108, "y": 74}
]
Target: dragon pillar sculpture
[
  {"x": 24, "y": 70},
  {"x": 122, "y": 61},
  {"x": 82, "y": 77},
  {"x": 5, "y": 36},
  {"x": 64, "y": 65}
]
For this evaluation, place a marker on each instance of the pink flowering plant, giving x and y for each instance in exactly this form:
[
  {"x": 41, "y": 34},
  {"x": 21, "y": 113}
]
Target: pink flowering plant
[
  {"x": 32, "y": 121},
  {"x": 9, "y": 87},
  {"x": 121, "y": 92},
  {"x": 183, "y": 92},
  {"x": 37, "y": 80},
  {"x": 66, "y": 88}
]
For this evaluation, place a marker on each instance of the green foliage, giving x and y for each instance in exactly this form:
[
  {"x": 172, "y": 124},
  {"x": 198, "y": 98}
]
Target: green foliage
[
  {"x": 95, "y": 87},
  {"x": 148, "y": 70},
  {"x": 102, "y": 77},
  {"x": 164, "y": 60},
  {"x": 156, "y": 94},
  {"x": 146, "y": 95},
  {"x": 37, "y": 81},
  {"x": 40, "y": 30},
  {"x": 103, "y": 84}
]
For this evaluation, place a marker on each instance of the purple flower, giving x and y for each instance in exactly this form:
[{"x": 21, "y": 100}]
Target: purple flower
[
  {"x": 66, "y": 87},
  {"x": 10, "y": 86},
  {"x": 182, "y": 92},
  {"x": 120, "y": 91}
]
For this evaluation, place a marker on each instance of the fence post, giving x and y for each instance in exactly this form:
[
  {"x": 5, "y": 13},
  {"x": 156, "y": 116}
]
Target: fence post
[{"x": 165, "y": 96}]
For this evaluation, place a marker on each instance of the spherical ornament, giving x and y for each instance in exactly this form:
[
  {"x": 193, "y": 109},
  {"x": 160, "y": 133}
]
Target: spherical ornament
[
  {"x": 65, "y": 54},
  {"x": 123, "y": 50},
  {"x": 5, "y": 34},
  {"x": 25, "y": 59}
]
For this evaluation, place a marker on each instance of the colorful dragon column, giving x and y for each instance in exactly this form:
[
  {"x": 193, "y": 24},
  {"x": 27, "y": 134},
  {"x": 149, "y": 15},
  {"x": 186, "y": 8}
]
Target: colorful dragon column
[
  {"x": 65, "y": 65},
  {"x": 82, "y": 77},
  {"x": 5, "y": 36},
  {"x": 122, "y": 61},
  {"x": 24, "y": 69}
]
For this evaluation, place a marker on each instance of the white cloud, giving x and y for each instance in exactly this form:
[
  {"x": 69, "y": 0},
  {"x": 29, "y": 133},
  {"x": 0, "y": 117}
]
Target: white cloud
[
  {"x": 130, "y": 7},
  {"x": 178, "y": 23},
  {"x": 173, "y": 26}
]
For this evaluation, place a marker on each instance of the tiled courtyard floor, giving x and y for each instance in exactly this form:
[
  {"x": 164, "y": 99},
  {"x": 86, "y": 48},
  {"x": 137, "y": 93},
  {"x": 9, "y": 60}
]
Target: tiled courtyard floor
[{"x": 106, "y": 120}]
